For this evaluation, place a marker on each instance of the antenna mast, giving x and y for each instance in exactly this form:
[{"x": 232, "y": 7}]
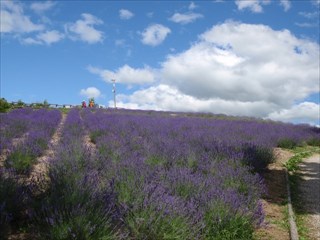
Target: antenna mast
[{"x": 114, "y": 92}]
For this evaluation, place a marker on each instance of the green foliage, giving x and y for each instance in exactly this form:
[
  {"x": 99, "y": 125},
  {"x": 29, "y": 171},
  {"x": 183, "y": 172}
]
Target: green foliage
[
  {"x": 4, "y": 105},
  {"x": 300, "y": 154},
  {"x": 314, "y": 142},
  {"x": 45, "y": 104},
  {"x": 21, "y": 161},
  {"x": 156, "y": 161},
  {"x": 20, "y": 103},
  {"x": 73, "y": 210},
  {"x": 94, "y": 135},
  {"x": 147, "y": 223},
  {"x": 11, "y": 202},
  {"x": 222, "y": 227},
  {"x": 287, "y": 143}
]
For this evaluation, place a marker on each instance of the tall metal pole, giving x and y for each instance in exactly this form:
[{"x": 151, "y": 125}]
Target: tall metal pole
[{"x": 114, "y": 92}]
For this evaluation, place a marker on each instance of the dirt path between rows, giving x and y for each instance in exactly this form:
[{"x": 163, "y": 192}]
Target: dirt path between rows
[
  {"x": 41, "y": 167},
  {"x": 275, "y": 200},
  {"x": 309, "y": 190}
]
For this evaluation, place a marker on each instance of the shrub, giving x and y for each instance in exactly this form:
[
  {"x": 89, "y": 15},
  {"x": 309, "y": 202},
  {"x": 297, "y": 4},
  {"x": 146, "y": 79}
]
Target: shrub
[
  {"x": 72, "y": 209},
  {"x": 4, "y": 105},
  {"x": 257, "y": 157},
  {"x": 287, "y": 143},
  {"x": 21, "y": 161},
  {"x": 223, "y": 223},
  {"x": 314, "y": 142},
  {"x": 12, "y": 197}
]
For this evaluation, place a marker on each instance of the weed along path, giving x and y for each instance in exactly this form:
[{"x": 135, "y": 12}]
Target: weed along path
[{"x": 309, "y": 188}]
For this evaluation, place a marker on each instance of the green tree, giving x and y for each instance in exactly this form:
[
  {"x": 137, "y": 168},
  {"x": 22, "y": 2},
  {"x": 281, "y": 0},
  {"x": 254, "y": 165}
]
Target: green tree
[{"x": 4, "y": 105}]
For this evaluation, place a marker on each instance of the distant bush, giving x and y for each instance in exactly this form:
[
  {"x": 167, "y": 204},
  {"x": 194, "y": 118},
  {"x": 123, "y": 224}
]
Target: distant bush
[
  {"x": 4, "y": 105},
  {"x": 287, "y": 143},
  {"x": 314, "y": 142}
]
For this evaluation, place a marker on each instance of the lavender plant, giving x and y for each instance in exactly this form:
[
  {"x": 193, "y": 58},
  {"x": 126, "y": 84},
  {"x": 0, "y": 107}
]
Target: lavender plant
[
  {"x": 157, "y": 176},
  {"x": 12, "y": 201},
  {"x": 42, "y": 123},
  {"x": 76, "y": 205}
]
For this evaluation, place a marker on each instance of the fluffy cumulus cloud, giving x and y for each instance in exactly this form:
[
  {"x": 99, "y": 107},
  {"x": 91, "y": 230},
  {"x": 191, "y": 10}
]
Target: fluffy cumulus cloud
[
  {"x": 155, "y": 34},
  {"x": 83, "y": 29},
  {"x": 125, "y": 14},
  {"x": 185, "y": 18},
  {"x": 126, "y": 75},
  {"x": 47, "y": 37},
  {"x": 165, "y": 97},
  {"x": 255, "y": 6},
  {"x": 90, "y": 92},
  {"x": 308, "y": 112},
  {"x": 13, "y": 19},
  {"x": 229, "y": 71},
  {"x": 40, "y": 7}
]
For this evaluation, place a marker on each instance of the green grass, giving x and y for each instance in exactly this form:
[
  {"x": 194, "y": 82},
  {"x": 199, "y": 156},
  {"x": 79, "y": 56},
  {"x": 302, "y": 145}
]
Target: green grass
[{"x": 292, "y": 164}]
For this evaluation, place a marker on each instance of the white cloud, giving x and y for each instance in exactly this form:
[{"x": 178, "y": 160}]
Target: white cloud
[
  {"x": 192, "y": 6},
  {"x": 315, "y": 3},
  {"x": 150, "y": 14},
  {"x": 90, "y": 92},
  {"x": 31, "y": 41},
  {"x": 286, "y": 4},
  {"x": 305, "y": 112},
  {"x": 254, "y": 6},
  {"x": 185, "y": 17},
  {"x": 83, "y": 29},
  {"x": 47, "y": 37},
  {"x": 126, "y": 75},
  {"x": 125, "y": 14},
  {"x": 306, "y": 24},
  {"x": 238, "y": 67},
  {"x": 120, "y": 42},
  {"x": 164, "y": 97},
  {"x": 40, "y": 7},
  {"x": 229, "y": 71},
  {"x": 310, "y": 15},
  {"x": 13, "y": 19},
  {"x": 155, "y": 34}
]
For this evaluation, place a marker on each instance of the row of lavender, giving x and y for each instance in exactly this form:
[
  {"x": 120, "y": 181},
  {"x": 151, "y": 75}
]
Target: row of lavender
[
  {"x": 156, "y": 177},
  {"x": 133, "y": 193},
  {"x": 32, "y": 131},
  {"x": 189, "y": 176}
]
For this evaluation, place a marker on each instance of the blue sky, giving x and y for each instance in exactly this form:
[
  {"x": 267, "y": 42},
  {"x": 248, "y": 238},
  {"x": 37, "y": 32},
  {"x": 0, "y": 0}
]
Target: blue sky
[{"x": 249, "y": 58}]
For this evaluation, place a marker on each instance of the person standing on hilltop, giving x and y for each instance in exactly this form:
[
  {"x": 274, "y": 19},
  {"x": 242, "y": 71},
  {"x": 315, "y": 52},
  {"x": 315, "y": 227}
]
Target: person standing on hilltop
[
  {"x": 91, "y": 103},
  {"x": 84, "y": 105}
]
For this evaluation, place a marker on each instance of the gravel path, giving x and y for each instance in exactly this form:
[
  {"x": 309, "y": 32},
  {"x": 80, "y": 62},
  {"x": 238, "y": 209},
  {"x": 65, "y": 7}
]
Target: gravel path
[{"x": 309, "y": 187}]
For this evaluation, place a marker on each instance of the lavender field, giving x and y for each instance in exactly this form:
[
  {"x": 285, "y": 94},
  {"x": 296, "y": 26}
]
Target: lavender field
[{"x": 120, "y": 174}]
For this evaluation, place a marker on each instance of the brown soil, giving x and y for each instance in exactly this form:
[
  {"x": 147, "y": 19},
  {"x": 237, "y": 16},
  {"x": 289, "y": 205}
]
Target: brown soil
[
  {"x": 40, "y": 168},
  {"x": 274, "y": 201}
]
